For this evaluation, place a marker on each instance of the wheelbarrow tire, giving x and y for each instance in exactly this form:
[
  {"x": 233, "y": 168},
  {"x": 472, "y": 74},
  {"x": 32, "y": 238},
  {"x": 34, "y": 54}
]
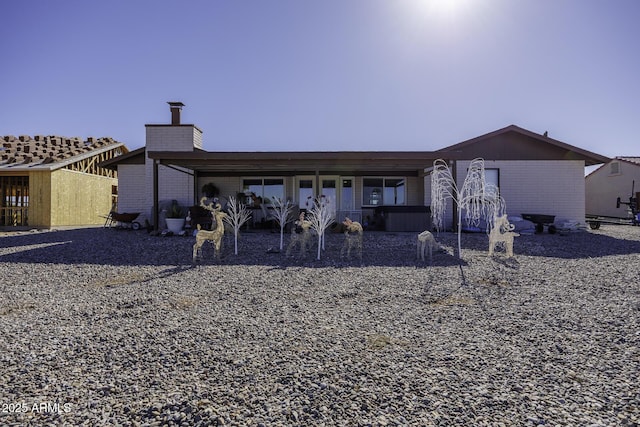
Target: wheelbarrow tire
[
  {"x": 594, "y": 225},
  {"x": 552, "y": 229},
  {"x": 135, "y": 225}
]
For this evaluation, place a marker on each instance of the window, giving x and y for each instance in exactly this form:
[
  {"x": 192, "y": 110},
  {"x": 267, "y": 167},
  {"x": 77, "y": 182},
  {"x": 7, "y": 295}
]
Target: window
[
  {"x": 305, "y": 192},
  {"x": 264, "y": 188},
  {"x": 393, "y": 191},
  {"x": 346, "y": 198},
  {"x": 273, "y": 187},
  {"x": 492, "y": 184},
  {"x": 383, "y": 191},
  {"x": 492, "y": 177}
]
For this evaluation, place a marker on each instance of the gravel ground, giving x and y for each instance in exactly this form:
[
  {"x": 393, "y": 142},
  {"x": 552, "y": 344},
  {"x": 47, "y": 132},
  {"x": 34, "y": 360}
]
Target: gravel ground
[{"x": 113, "y": 327}]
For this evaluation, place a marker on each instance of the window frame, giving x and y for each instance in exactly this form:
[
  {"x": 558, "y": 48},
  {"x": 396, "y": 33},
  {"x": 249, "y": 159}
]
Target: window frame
[
  {"x": 262, "y": 186},
  {"x": 497, "y": 183},
  {"x": 366, "y": 204}
]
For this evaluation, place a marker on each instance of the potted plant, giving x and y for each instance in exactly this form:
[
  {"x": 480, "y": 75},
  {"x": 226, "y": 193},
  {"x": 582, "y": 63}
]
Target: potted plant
[
  {"x": 175, "y": 218},
  {"x": 210, "y": 190}
]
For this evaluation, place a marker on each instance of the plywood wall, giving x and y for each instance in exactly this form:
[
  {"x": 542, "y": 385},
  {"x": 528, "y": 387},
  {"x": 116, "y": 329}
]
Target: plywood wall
[
  {"x": 79, "y": 199},
  {"x": 40, "y": 199}
]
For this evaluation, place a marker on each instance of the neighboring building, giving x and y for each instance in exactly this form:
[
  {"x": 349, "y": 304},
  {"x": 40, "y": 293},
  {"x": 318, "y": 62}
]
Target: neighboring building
[
  {"x": 49, "y": 181},
  {"x": 535, "y": 173},
  {"x": 615, "y": 179}
]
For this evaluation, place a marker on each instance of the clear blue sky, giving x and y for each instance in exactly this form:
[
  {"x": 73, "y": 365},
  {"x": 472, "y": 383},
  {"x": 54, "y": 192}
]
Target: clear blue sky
[{"x": 324, "y": 74}]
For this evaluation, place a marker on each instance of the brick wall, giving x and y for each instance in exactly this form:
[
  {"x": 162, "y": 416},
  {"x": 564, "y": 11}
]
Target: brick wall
[
  {"x": 551, "y": 187},
  {"x": 172, "y": 184},
  {"x": 131, "y": 185}
]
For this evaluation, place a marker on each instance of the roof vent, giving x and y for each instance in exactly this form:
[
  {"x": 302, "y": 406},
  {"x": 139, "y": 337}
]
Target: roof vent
[{"x": 176, "y": 107}]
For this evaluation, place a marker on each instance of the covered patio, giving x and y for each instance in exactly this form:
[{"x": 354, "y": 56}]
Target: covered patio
[{"x": 348, "y": 177}]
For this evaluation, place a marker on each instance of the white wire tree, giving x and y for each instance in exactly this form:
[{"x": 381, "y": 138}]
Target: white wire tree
[
  {"x": 495, "y": 205},
  {"x": 281, "y": 212},
  {"x": 475, "y": 198},
  {"x": 237, "y": 216},
  {"x": 321, "y": 216}
]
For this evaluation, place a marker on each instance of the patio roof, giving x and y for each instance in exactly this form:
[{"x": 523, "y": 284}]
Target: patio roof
[{"x": 411, "y": 163}]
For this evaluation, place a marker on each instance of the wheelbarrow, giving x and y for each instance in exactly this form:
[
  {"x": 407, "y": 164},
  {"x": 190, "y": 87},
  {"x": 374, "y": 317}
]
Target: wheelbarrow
[
  {"x": 541, "y": 221},
  {"x": 124, "y": 220}
]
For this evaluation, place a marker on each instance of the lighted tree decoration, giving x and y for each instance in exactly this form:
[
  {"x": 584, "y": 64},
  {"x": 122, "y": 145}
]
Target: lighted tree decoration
[
  {"x": 475, "y": 198},
  {"x": 321, "y": 216},
  {"x": 495, "y": 205},
  {"x": 237, "y": 216},
  {"x": 281, "y": 212}
]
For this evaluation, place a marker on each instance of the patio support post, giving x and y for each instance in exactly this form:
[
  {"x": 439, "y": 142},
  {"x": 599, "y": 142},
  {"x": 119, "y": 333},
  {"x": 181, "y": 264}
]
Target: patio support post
[
  {"x": 155, "y": 195},
  {"x": 195, "y": 186},
  {"x": 317, "y": 184},
  {"x": 454, "y": 202}
]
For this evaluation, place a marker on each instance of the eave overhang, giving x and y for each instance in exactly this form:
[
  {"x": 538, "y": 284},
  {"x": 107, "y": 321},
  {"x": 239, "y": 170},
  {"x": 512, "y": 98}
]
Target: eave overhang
[{"x": 410, "y": 163}]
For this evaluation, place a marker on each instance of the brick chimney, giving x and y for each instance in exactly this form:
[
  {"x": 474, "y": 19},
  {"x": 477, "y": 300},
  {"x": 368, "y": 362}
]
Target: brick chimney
[{"x": 176, "y": 107}]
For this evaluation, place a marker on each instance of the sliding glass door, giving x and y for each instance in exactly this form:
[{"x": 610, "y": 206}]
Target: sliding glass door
[{"x": 338, "y": 192}]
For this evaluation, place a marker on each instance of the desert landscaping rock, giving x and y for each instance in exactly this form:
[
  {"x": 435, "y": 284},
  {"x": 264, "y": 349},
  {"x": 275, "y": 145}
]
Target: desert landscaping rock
[{"x": 115, "y": 327}]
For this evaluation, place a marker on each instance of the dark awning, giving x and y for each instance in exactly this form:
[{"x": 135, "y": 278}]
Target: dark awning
[{"x": 410, "y": 163}]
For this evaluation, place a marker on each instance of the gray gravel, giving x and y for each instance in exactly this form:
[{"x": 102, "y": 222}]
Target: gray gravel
[{"x": 113, "y": 327}]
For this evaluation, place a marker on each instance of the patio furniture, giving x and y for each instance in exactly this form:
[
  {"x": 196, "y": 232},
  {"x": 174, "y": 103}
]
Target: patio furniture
[
  {"x": 268, "y": 219},
  {"x": 200, "y": 216}
]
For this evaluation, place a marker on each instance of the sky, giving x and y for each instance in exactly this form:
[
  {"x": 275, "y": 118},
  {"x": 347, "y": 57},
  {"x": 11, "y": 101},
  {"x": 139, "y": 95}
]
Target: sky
[{"x": 325, "y": 75}]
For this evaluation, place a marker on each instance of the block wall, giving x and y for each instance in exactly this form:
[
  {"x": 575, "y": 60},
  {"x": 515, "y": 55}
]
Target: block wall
[
  {"x": 131, "y": 186},
  {"x": 415, "y": 190},
  {"x": 172, "y": 184},
  {"x": 549, "y": 187}
]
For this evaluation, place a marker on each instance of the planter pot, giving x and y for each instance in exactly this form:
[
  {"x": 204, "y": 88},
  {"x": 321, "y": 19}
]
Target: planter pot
[{"x": 175, "y": 224}]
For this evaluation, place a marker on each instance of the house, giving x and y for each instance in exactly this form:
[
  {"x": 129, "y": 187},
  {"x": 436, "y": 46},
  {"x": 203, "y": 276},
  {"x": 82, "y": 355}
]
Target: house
[
  {"x": 618, "y": 178},
  {"x": 535, "y": 174},
  {"x": 49, "y": 181}
]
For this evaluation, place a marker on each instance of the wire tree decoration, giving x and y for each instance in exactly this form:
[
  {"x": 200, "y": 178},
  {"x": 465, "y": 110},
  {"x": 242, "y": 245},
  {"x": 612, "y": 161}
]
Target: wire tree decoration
[
  {"x": 281, "y": 214},
  {"x": 321, "y": 216},
  {"x": 237, "y": 216},
  {"x": 475, "y": 199},
  {"x": 495, "y": 205}
]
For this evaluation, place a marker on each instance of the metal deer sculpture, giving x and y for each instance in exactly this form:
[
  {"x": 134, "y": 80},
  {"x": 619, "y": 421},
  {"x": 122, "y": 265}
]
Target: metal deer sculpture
[
  {"x": 300, "y": 235},
  {"x": 502, "y": 233},
  {"x": 352, "y": 238},
  {"x": 215, "y": 236},
  {"x": 426, "y": 245}
]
